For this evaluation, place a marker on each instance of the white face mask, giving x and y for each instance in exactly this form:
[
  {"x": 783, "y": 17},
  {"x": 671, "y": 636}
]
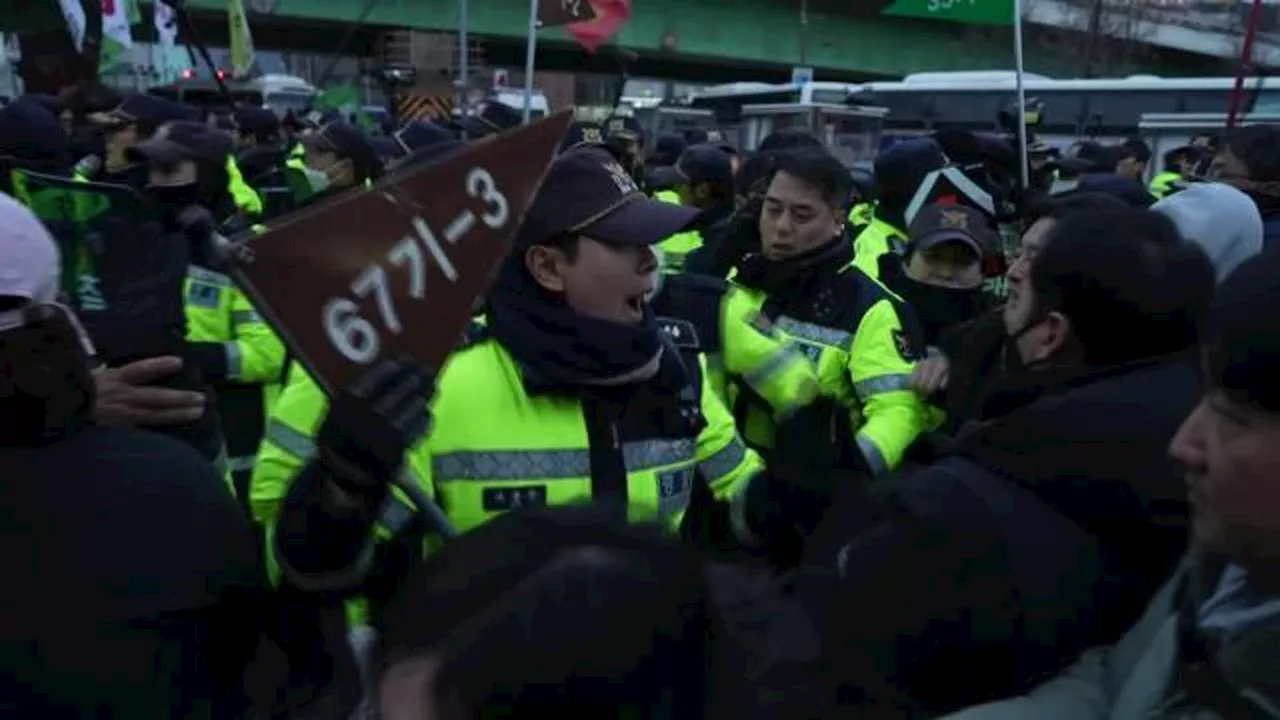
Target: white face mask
[{"x": 317, "y": 179}]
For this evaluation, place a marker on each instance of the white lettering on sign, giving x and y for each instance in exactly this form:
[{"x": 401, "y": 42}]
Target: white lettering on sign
[
  {"x": 358, "y": 339},
  {"x": 936, "y": 5}
]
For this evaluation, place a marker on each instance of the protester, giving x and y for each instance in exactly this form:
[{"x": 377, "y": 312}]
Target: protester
[
  {"x": 975, "y": 354},
  {"x": 133, "y": 530},
  {"x": 1024, "y": 547},
  {"x": 1249, "y": 159},
  {"x": 939, "y": 271},
  {"x": 1223, "y": 221},
  {"x": 1205, "y": 646}
]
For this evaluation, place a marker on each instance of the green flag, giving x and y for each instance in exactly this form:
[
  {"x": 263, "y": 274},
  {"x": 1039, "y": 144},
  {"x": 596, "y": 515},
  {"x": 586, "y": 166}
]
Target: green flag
[{"x": 346, "y": 100}]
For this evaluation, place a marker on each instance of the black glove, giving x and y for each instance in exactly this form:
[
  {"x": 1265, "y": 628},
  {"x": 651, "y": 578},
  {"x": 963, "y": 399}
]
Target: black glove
[
  {"x": 370, "y": 425},
  {"x": 803, "y": 462}
]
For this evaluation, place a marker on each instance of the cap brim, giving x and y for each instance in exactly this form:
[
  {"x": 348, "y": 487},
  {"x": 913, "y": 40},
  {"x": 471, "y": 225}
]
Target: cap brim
[
  {"x": 111, "y": 117},
  {"x": 160, "y": 151},
  {"x": 641, "y": 221},
  {"x": 943, "y": 237}
]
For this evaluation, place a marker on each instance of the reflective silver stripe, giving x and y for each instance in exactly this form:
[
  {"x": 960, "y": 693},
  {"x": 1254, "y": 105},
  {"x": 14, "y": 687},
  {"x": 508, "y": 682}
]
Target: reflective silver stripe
[
  {"x": 232, "y": 350},
  {"x": 245, "y": 317},
  {"x": 543, "y": 464},
  {"x": 772, "y": 365},
  {"x": 875, "y": 459},
  {"x": 240, "y": 464},
  {"x": 208, "y": 277},
  {"x": 647, "y": 454},
  {"x": 289, "y": 440},
  {"x": 881, "y": 384},
  {"x": 724, "y": 461},
  {"x": 510, "y": 464},
  {"x": 815, "y": 333}
]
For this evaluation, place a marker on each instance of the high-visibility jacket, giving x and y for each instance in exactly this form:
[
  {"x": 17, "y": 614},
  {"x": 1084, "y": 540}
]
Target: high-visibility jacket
[
  {"x": 246, "y": 198},
  {"x": 862, "y": 214},
  {"x": 218, "y": 312},
  {"x": 863, "y": 342},
  {"x": 1164, "y": 183},
  {"x": 675, "y": 248},
  {"x": 878, "y": 238},
  {"x": 494, "y": 446},
  {"x": 740, "y": 347}
]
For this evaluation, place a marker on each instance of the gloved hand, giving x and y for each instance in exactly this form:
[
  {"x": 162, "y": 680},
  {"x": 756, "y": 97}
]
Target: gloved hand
[
  {"x": 803, "y": 463},
  {"x": 370, "y": 425}
]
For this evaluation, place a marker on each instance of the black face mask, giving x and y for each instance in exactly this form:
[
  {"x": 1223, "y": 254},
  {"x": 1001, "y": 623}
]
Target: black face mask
[
  {"x": 174, "y": 198},
  {"x": 938, "y": 307}
]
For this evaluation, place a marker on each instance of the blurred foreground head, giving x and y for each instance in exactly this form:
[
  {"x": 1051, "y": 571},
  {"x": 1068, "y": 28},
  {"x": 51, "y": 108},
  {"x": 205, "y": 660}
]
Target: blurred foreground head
[{"x": 560, "y": 612}]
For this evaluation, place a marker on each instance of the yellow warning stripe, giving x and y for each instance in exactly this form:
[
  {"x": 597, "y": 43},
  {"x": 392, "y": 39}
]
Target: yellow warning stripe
[{"x": 424, "y": 107}]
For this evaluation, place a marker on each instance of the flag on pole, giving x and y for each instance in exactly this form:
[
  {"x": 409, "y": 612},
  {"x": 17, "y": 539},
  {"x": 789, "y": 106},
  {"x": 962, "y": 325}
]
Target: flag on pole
[
  {"x": 611, "y": 15},
  {"x": 73, "y": 12},
  {"x": 117, "y": 35},
  {"x": 346, "y": 100},
  {"x": 241, "y": 39},
  {"x": 166, "y": 22}
]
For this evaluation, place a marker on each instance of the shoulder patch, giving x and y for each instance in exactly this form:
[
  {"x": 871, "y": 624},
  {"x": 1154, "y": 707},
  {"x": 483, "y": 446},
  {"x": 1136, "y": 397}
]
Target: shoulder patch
[
  {"x": 683, "y": 334},
  {"x": 904, "y": 346}
]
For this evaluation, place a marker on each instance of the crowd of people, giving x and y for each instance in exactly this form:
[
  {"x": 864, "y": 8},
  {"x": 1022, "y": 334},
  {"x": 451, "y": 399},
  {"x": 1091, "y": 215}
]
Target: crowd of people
[{"x": 732, "y": 434}]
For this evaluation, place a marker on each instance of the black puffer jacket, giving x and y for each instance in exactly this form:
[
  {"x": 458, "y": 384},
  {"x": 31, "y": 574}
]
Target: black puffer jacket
[{"x": 1042, "y": 532}]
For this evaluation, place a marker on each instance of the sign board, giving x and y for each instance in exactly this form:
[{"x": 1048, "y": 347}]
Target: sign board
[
  {"x": 801, "y": 75},
  {"x": 971, "y": 12},
  {"x": 552, "y": 13},
  {"x": 395, "y": 270}
]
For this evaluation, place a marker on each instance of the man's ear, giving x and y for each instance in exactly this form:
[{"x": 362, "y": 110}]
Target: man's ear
[
  {"x": 1057, "y": 337},
  {"x": 546, "y": 265}
]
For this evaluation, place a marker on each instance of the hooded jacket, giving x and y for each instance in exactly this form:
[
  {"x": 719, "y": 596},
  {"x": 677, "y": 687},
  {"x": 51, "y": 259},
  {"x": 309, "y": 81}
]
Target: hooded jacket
[{"x": 1223, "y": 221}]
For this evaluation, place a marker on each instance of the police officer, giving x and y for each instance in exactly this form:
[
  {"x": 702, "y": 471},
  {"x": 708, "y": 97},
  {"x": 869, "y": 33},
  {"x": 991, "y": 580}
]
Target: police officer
[
  {"x": 235, "y": 350},
  {"x": 571, "y": 391},
  {"x": 704, "y": 181},
  {"x": 862, "y": 338},
  {"x": 132, "y": 121},
  {"x": 899, "y": 171},
  {"x": 626, "y": 137},
  {"x": 1179, "y": 163},
  {"x": 336, "y": 157}
]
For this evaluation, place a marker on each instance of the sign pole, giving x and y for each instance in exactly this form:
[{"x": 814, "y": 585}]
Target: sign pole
[
  {"x": 464, "y": 55},
  {"x": 1025, "y": 170},
  {"x": 531, "y": 46}
]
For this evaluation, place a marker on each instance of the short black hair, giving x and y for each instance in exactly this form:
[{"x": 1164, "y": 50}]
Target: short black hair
[
  {"x": 789, "y": 139},
  {"x": 1129, "y": 283},
  {"x": 560, "y": 607},
  {"x": 1258, "y": 147},
  {"x": 819, "y": 168},
  {"x": 1061, "y": 206},
  {"x": 755, "y": 173}
]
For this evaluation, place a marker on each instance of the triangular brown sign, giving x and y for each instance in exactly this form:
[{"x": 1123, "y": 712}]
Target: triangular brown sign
[
  {"x": 396, "y": 270},
  {"x": 552, "y": 13}
]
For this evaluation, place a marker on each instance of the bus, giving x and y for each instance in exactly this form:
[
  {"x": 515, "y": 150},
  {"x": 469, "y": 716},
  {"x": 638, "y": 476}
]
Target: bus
[
  {"x": 726, "y": 101},
  {"x": 1104, "y": 109}
]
